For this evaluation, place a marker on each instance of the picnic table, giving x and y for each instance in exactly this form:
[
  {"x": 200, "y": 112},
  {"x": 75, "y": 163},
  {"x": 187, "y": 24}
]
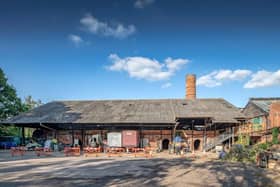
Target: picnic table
[
  {"x": 43, "y": 151},
  {"x": 92, "y": 151},
  {"x": 72, "y": 151},
  {"x": 115, "y": 151},
  {"x": 18, "y": 151},
  {"x": 146, "y": 152}
]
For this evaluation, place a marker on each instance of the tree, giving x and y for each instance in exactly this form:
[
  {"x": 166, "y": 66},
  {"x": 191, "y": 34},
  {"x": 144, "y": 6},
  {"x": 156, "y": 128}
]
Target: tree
[
  {"x": 30, "y": 103},
  {"x": 10, "y": 104}
]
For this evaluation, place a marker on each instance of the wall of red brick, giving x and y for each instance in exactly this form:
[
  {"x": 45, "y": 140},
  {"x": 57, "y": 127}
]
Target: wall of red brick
[
  {"x": 274, "y": 115},
  {"x": 153, "y": 136},
  {"x": 65, "y": 136}
]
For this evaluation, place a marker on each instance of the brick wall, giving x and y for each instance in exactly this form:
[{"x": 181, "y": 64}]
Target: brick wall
[{"x": 274, "y": 115}]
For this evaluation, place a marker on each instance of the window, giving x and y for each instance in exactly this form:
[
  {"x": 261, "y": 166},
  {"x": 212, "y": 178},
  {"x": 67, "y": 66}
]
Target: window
[{"x": 257, "y": 123}]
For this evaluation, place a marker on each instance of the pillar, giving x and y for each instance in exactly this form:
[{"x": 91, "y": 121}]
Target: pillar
[
  {"x": 192, "y": 138},
  {"x": 204, "y": 139},
  {"x": 232, "y": 141},
  {"x": 23, "y": 136},
  {"x": 83, "y": 138},
  {"x": 72, "y": 135}
]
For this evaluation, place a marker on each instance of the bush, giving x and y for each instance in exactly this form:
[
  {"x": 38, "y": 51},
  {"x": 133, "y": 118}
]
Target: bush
[
  {"x": 275, "y": 133},
  {"x": 239, "y": 153},
  {"x": 244, "y": 140},
  {"x": 243, "y": 153}
]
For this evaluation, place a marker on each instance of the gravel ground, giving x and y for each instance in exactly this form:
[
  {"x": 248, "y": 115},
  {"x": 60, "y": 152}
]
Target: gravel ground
[{"x": 162, "y": 170}]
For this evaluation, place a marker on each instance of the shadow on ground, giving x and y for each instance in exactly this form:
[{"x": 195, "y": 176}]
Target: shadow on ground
[{"x": 132, "y": 172}]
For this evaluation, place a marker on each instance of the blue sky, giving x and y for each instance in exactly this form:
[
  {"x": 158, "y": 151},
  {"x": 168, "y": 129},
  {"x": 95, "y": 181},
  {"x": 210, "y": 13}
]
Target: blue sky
[{"x": 70, "y": 50}]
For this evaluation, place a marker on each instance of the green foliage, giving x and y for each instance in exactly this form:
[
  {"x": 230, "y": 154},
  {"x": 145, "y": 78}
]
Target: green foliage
[
  {"x": 30, "y": 103},
  {"x": 262, "y": 147},
  {"x": 243, "y": 153},
  {"x": 275, "y": 133},
  {"x": 11, "y": 105},
  {"x": 244, "y": 140},
  {"x": 9, "y": 131}
]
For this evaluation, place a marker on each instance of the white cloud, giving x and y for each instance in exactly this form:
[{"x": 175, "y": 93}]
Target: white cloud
[
  {"x": 208, "y": 80},
  {"x": 142, "y": 3},
  {"x": 217, "y": 78},
  {"x": 146, "y": 68},
  {"x": 93, "y": 25},
  {"x": 232, "y": 75},
  {"x": 263, "y": 79},
  {"x": 77, "y": 40},
  {"x": 166, "y": 85}
]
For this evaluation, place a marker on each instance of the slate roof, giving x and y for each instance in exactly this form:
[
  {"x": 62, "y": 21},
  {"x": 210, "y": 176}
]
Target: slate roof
[
  {"x": 129, "y": 111},
  {"x": 264, "y": 103}
]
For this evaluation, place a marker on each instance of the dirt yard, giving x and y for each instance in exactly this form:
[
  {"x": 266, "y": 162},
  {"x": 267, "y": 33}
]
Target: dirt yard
[{"x": 163, "y": 170}]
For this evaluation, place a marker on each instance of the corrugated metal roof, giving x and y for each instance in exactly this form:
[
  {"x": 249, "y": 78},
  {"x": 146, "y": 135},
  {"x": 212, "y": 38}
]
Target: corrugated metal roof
[{"x": 129, "y": 111}]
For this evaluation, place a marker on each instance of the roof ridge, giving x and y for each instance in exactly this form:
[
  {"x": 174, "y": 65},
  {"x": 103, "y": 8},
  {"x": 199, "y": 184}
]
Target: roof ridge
[
  {"x": 264, "y": 98},
  {"x": 151, "y": 99}
]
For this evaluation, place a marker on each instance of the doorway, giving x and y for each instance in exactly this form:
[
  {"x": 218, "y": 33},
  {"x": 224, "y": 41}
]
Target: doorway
[
  {"x": 196, "y": 145},
  {"x": 165, "y": 144}
]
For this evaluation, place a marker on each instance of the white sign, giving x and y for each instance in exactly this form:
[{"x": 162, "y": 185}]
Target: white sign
[{"x": 114, "y": 139}]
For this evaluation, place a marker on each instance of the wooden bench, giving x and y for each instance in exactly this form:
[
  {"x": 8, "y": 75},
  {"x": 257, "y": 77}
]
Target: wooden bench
[
  {"x": 89, "y": 151},
  {"x": 72, "y": 151},
  {"x": 115, "y": 151},
  {"x": 43, "y": 151},
  {"x": 18, "y": 151}
]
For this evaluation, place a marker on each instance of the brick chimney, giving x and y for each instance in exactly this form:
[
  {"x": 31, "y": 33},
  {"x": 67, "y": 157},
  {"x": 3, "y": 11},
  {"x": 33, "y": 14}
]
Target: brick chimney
[{"x": 190, "y": 86}]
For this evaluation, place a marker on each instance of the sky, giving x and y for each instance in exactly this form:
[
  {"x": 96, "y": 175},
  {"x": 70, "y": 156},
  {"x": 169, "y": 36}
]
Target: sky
[{"x": 141, "y": 49}]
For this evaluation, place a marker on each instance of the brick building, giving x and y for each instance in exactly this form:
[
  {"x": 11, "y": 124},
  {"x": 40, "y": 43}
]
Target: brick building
[
  {"x": 262, "y": 114},
  {"x": 203, "y": 123}
]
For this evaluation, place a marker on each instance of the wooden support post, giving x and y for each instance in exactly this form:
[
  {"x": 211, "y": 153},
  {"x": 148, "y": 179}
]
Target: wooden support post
[
  {"x": 204, "y": 139},
  {"x": 192, "y": 137},
  {"x": 140, "y": 138},
  {"x": 83, "y": 139},
  {"x": 229, "y": 140},
  {"x": 266, "y": 127},
  {"x": 232, "y": 141},
  {"x": 171, "y": 135},
  {"x": 72, "y": 135},
  {"x": 174, "y": 131},
  {"x": 23, "y": 136},
  {"x": 215, "y": 131}
]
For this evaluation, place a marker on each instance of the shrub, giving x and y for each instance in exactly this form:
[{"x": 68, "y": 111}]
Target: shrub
[
  {"x": 243, "y": 153},
  {"x": 244, "y": 140},
  {"x": 275, "y": 133}
]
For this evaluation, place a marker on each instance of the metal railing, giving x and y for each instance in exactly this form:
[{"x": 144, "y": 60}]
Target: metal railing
[{"x": 217, "y": 140}]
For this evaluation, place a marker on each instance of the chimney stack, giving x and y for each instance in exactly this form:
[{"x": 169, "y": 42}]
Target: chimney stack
[{"x": 190, "y": 86}]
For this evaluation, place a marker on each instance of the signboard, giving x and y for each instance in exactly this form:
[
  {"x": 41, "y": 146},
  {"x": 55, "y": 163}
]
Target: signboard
[{"x": 114, "y": 139}]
